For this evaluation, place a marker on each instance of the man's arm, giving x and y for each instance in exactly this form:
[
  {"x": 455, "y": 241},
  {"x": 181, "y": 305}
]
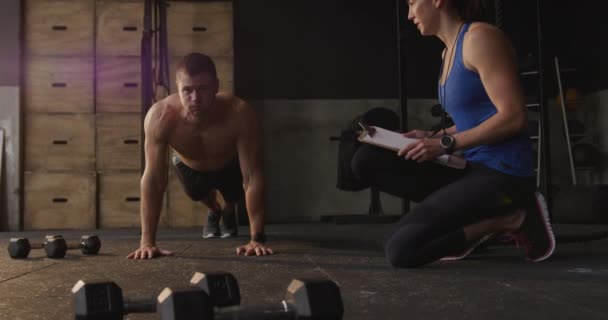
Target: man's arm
[
  {"x": 154, "y": 179},
  {"x": 153, "y": 184},
  {"x": 249, "y": 147}
]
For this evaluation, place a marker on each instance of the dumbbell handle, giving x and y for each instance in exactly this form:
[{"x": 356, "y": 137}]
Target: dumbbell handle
[
  {"x": 139, "y": 305},
  {"x": 281, "y": 311},
  {"x": 73, "y": 246}
]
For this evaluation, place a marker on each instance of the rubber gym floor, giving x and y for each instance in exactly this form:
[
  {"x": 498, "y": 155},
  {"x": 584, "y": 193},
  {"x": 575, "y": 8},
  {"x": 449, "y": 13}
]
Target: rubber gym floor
[{"x": 494, "y": 283}]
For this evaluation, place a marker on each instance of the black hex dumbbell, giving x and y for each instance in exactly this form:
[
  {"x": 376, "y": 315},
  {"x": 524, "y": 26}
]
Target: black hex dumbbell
[
  {"x": 191, "y": 303},
  {"x": 19, "y": 248},
  {"x": 305, "y": 299},
  {"x": 56, "y": 246},
  {"x": 96, "y": 300},
  {"x": 222, "y": 287},
  {"x": 103, "y": 299}
]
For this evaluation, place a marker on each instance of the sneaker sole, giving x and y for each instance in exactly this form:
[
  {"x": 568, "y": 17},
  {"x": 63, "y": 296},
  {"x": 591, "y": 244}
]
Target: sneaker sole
[
  {"x": 469, "y": 250},
  {"x": 208, "y": 236},
  {"x": 544, "y": 211}
]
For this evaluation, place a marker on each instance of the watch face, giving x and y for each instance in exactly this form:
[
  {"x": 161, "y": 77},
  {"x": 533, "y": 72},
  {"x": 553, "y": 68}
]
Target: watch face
[{"x": 447, "y": 141}]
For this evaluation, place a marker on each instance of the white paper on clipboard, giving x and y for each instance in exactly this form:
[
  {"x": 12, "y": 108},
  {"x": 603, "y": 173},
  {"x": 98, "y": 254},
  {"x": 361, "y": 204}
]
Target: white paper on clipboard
[{"x": 395, "y": 141}]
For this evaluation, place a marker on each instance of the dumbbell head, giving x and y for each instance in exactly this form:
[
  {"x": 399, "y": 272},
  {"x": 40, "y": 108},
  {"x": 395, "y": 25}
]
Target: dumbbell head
[
  {"x": 184, "y": 303},
  {"x": 315, "y": 299},
  {"x": 55, "y": 247},
  {"x": 19, "y": 248},
  {"x": 90, "y": 244},
  {"x": 97, "y": 300},
  {"x": 222, "y": 287}
]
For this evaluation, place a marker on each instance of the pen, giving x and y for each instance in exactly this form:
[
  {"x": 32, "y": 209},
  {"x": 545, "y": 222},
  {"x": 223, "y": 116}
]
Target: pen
[{"x": 370, "y": 130}]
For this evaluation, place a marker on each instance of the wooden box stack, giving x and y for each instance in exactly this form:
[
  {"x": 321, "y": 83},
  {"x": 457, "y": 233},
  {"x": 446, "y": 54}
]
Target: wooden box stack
[{"x": 82, "y": 102}]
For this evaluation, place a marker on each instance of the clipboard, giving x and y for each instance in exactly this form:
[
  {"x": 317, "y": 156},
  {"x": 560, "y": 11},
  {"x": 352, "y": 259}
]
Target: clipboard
[{"x": 395, "y": 141}]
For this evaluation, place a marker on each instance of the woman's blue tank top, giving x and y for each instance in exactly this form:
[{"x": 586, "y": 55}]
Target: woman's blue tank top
[{"x": 469, "y": 105}]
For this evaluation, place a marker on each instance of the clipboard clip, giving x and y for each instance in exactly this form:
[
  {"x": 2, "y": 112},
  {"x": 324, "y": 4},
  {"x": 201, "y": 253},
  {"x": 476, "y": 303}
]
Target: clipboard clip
[{"x": 369, "y": 129}]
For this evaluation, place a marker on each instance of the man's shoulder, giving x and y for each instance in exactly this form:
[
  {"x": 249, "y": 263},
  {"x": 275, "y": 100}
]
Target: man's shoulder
[
  {"x": 235, "y": 104},
  {"x": 166, "y": 106},
  {"x": 228, "y": 98},
  {"x": 163, "y": 114}
]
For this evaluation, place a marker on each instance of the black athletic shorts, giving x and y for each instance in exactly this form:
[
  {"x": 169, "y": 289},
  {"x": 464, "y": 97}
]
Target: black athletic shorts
[{"x": 227, "y": 180}]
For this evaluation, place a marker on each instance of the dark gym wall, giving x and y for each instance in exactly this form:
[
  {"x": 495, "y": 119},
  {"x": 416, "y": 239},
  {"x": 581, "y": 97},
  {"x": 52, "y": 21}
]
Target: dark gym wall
[
  {"x": 9, "y": 50},
  {"x": 316, "y": 49},
  {"x": 10, "y": 184},
  {"x": 574, "y": 31}
]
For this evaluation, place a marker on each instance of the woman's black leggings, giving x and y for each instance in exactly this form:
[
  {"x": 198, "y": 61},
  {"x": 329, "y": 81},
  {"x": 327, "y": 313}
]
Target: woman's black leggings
[{"x": 447, "y": 200}]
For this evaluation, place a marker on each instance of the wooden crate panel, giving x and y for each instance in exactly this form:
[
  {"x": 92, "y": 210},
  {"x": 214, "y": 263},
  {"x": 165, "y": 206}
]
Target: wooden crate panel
[
  {"x": 120, "y": 202},
  {"x": 119, "y": 28},
  {"x": 119, "y": 140},
  {"x": 58, "y": 85},
  {"x": 204, "y": 27},
  {"x": 118, "y": 84},
  {"x": 59, "y": 142},
  {"x": 182, "y": 211},
  {"x": 224, "y": 66},
  {"x": 59, "y": 200},
  {"x": 59, "y": 27}
]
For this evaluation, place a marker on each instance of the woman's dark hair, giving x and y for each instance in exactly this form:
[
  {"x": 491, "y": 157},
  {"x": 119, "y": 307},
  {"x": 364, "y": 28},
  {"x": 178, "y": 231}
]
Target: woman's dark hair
[{"x": 470, "y": 10}]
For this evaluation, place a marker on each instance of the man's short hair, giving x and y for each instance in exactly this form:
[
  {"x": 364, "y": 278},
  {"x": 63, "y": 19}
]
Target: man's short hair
[{"x": 196, "y": 63}]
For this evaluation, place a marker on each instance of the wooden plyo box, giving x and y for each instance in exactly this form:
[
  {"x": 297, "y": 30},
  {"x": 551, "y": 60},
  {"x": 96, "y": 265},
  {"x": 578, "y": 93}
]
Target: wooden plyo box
[
  {"x": 59, "y": 27},
  {"x": 119, "y": 140},
  {"x": 59, "y": 200},
  {"x": 59, "y": 142},
  {"x": 58, "y": 84}
]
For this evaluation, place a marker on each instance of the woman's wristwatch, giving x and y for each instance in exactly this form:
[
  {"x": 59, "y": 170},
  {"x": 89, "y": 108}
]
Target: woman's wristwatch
[{"x": 447, "y": 142}]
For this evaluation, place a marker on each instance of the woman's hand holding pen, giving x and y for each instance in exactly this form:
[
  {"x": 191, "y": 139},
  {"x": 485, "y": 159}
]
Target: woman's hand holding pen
[
  {"x": 419, "y": 134},
  {"x": 425, "y": 149}
]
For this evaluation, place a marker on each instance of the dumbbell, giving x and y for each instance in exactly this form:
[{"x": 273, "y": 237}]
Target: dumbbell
[
  {"x": 56, "y": 246},
  {"x": 104, "y": 299},
  {"x": 217, "y": 289},
  {"x": 19, "y": 248},
  {"x": 305, "y": 299},
  {"x": 222, "y": 287},
  {"x": 101, "y": 299}
]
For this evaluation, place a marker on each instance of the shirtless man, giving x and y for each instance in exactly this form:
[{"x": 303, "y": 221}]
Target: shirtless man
[{"x": 217, "y": 145}]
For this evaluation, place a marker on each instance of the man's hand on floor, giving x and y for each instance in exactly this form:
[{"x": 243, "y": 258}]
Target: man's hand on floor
[
  {"x": 148, "y": 252},
  {"x": 254, "y": 248}
]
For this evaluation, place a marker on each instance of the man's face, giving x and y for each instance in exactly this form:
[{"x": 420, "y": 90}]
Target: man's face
[{"x": 197, "y": 93}]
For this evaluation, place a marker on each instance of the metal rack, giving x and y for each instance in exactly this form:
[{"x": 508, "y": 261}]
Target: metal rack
[
  {"x": 535, "y": 78},
  {"x": 564, "y": 102}
]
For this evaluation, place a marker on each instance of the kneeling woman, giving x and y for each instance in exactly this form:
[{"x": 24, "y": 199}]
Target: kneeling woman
[{"x": 458, "y": 208}]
